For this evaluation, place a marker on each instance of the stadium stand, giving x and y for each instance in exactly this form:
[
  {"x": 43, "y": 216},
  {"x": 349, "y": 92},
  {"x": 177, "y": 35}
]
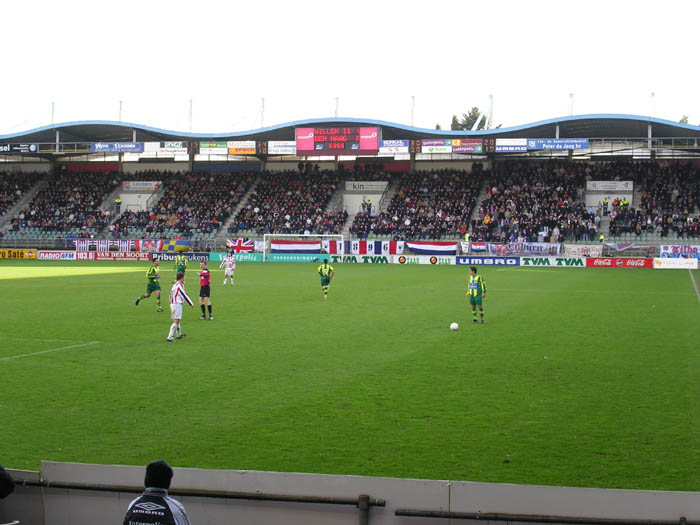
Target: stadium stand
[
  {"x": 68, "y": 207},
  {"x": 290, "y": 202},
  {"x": 427, "y": 205},
  {"x": 13, "y": 186},
  {"x": 528, "y": 201},
  {"x": 193, "y": 206},
  {"x": 668, "y": 203}
]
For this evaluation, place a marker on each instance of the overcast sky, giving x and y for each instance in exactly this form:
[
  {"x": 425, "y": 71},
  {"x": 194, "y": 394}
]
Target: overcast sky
[{"x": 374, "y": 56}]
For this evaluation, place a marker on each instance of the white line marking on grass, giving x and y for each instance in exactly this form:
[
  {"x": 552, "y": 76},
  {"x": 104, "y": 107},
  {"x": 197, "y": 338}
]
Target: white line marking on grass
[
  {"x": 49, "y": 351},
  {"x": 695, "y": 285},
  {"x": 39, "y": 339}
]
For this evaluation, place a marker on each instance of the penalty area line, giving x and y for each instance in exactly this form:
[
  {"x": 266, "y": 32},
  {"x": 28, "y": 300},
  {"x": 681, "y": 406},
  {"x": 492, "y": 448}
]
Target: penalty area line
[{"x": 49, "y": 351}]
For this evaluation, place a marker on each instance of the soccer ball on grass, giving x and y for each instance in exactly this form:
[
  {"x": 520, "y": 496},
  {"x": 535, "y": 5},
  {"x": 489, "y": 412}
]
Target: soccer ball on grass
[{"x": 454, "y": 327}]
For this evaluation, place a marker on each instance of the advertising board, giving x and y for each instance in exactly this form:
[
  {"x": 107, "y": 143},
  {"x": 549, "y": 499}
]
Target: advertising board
[
  {"x": 619, "y": 262},
  {"x": 360, "y": 259},
  {"x": 467, "y": 146},
  {"x": 423, "y": 259},
  {"x": 664, "y": 263},
  {"x": 241, "y": 147},
  {"x": 562, "y": 262},
  {"x": 683, "y": 251},
  {"x": 556, "y": 144},
  {"x": 52, "y": 255},
  {"x": 370, "y": 186},
  {"x": 281, "y": 147},
  {"x": 213, "y": 148},
  {"x": 141, "y": 185},
  {"x": 610, "y": 185},
  {"x": 17, "y": 254},
  {"x": 122, "y": 256},
  {"x": 436, "y": 146},
  {"x": 117, "y": 147},
  {"x": 488, "y": 261},
  {"x": 393, "y": 146},
  {"x": 511, "y": 145}
]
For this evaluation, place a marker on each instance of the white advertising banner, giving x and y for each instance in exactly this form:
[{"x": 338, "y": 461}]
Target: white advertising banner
[
  {"x": 368, "y": 186},
  {"x": 665, "y": 263},
  {"x": 281, "y": 147},
  {"x": 141, "y": 185},
  {"x": 424, "y": 259},
  {"x": 610, "y": 185},
  {"x": 393, "y": 146},
  {"x": 583, "y": 250}
]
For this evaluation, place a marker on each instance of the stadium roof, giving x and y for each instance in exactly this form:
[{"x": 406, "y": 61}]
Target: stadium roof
[{"x": 581, "y": 126}]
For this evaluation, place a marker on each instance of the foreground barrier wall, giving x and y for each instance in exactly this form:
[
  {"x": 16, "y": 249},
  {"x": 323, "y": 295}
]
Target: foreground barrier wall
[{"x": 63, "y": 506}]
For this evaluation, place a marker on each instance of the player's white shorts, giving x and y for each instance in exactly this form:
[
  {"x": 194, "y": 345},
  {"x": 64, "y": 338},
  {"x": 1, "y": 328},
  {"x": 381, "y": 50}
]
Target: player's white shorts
[
  {"x": 176, "y": 311},
  {"x": 229, "y": 272}
]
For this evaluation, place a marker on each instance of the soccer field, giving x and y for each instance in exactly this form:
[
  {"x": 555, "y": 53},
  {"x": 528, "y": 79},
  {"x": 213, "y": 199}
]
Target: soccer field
[{"x": 579, "y": 377}]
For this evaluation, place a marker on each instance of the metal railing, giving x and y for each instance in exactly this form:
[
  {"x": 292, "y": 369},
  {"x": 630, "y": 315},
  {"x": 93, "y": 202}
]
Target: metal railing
[{"x": 363, "y": 502}]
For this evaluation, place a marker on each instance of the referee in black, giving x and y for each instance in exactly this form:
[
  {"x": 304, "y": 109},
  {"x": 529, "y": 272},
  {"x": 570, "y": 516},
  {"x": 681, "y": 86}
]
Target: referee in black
[{"x": 204, "y": 291}]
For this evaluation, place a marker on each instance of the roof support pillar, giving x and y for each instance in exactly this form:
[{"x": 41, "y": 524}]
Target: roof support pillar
[
  {"x": 412, "y": 162},
  {"x": 133, "y": 135},
  {"x": 649, "y": 135},
  {"x": 58, "y": 139},
  {"x": 556, "y": 136}
]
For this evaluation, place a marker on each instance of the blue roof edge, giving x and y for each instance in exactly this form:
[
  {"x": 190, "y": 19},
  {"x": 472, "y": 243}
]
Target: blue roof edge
[{"x": 372, "y": 122}]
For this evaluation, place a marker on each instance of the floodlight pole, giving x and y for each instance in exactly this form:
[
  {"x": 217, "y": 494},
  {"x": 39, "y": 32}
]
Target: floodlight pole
[
  {"x": 53, "y": 106},
  {"x": 571, "y": 104},
  {"x": 120, "y": 111},
  {"x": 190, "y": 116},
  {"x": 336, "y": 107},
  {"x": 413, "y": 109}
]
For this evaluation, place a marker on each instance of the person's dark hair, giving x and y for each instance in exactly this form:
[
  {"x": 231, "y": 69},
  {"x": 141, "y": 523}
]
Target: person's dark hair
[
  {"x": 158, "y": 475},
  {"x": 325, "y": 261},
  {"x": 7, "y": 485},
  {"x": 179, "y": 276},
  {"x": 473, "y": 268}
]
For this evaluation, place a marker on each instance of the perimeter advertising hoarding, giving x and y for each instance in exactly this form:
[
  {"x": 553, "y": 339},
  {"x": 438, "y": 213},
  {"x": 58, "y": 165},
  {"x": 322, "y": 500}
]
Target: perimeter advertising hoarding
[
  {"x": 17, "y": 254},
  {"x": 281, "y": 147},
  {"x": 467, "y": 146},
  {"x": 19, "y": 148},
  {"x": 213, "y": 148},
  {"x": 557, "y": 144},
  {"x": 436, "y": 146},
  {"x": 141, "y": 185},
  {"x": 393, "y": 146},
  {"x": 241, "y": 147},
  {"x": 167, "y": 148},
  {"x": 117, "y": 147},
  {"x": 619, "y": 262},
  {"x": 609, "y": 185},
  {"x": 511, "y": 145}
]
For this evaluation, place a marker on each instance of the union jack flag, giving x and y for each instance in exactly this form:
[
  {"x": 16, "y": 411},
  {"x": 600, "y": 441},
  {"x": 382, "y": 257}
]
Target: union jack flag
[{"x": 240, "y": 245}]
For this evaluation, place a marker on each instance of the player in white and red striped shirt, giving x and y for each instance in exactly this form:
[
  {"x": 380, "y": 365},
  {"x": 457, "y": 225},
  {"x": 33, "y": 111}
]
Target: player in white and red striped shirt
[{"x": 178, "y": 296}]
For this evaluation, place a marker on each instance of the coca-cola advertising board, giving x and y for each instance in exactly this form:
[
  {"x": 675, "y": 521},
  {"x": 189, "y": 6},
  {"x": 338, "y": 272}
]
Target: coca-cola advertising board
[{"x": 619, "y": 262}]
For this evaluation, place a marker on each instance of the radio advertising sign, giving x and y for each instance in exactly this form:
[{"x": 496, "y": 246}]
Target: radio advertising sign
[
  {"x": 467, "y": 146},
  {"x": 117, "y": 147},
  {"x": 393, "y": 146},
  {"x": 436, "y": 146}
]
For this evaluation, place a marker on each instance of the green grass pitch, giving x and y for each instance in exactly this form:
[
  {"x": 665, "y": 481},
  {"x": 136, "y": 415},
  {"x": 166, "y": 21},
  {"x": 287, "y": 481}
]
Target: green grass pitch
[{"x": 579, "y": 377}]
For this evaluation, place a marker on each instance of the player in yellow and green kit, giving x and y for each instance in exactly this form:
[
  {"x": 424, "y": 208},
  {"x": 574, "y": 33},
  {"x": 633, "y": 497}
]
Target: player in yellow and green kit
[
  {"x": 326, "y": 272},
  {"x": 153, "y": 276},
  {"x": 476, "y": 292},
  {"x": 180, "y": 264}
]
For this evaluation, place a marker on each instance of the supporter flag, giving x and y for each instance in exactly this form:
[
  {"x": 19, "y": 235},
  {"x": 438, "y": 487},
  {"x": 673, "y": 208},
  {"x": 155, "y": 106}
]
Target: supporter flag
[
  {"x": 81, "y": 245},
  {"x": 478, "y": 246},
  {"x": 278, "y": 246},
  {"x": 240, "y": 245},
  {"x": 331, "y": 247},
  {"x": 374, "y": 247},
  {"x": 102, "y": 245},
  {"x": 358, "y": 247},
  {"x": 151, "y": 245},
  {"x": 177, "y": 245},
  {"x": 432, "y": 248},
  {"x": 125, "y": 245}
]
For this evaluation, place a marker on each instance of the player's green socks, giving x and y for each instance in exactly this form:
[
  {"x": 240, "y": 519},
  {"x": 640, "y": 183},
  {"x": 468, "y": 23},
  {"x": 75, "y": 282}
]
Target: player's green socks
[
  {"x": 474, "y": 314},
  {"x": 158, "y": 301}
]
